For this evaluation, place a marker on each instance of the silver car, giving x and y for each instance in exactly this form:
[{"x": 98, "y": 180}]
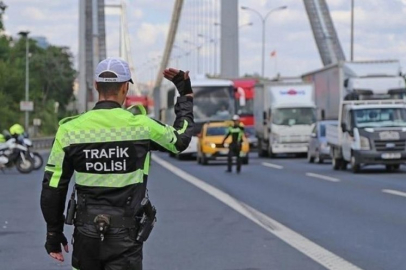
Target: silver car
[{"x": 318, "y": 149}]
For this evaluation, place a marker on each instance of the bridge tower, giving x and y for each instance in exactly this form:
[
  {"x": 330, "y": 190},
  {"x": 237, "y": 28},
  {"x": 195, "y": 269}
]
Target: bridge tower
[
  {"x": 325, "y": 35},
  {"x": 92, "y": 48}
]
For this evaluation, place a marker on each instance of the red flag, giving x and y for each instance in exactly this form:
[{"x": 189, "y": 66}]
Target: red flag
[{"x": 273, "y": 53}]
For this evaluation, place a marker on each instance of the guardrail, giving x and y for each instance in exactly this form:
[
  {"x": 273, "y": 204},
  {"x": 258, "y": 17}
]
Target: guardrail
[{"x": 42, "y": 143}]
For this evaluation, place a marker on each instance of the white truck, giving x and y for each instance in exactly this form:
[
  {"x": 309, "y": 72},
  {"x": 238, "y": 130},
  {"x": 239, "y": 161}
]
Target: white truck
[
  {"x": 284, "y": 116},
  {"x": 367, "y": 98}
]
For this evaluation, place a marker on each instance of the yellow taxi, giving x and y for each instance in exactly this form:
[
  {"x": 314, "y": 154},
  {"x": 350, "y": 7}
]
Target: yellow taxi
[{"x": 209, "y": 144}]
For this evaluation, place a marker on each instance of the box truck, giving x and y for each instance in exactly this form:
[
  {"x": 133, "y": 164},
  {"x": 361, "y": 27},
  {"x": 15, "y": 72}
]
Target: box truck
[{"x": 284, "y": 116}]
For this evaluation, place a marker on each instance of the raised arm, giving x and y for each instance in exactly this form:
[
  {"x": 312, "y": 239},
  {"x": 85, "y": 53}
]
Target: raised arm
[{"x": 176, "y": 138}]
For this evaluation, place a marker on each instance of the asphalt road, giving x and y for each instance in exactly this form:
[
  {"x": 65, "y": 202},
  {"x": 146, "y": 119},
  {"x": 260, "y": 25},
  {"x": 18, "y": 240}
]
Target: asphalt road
[{"x": 277, "y": 214}]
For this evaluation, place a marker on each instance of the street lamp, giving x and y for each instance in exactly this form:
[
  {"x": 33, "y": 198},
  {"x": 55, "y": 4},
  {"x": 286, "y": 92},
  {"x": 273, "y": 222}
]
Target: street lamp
[
  {"x": 24, "y": 34},
  {"x": 263, "y": 19},
  {"x": 198, "y": 47}
]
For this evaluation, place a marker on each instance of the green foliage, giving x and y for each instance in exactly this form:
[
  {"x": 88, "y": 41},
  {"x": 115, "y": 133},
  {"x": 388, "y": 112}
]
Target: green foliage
[{"x": 51, "y": 80}]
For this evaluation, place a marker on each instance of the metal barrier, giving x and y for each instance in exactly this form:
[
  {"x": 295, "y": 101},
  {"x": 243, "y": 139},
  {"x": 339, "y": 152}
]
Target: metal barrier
[{"x": 42, "y": 143}]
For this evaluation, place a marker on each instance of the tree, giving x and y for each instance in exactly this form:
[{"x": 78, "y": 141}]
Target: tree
[{"x": 51, "y": 80}]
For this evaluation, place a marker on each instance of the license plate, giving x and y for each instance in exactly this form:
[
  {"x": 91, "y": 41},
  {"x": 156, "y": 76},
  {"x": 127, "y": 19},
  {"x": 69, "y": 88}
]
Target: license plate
[
  {"x": 389, "y": 135},
  {"x": 391, "y": 156},
  {"x": 224, "y": 152}
]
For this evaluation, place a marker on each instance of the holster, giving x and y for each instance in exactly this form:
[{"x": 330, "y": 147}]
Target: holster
[{"x": 148, "y": 220}]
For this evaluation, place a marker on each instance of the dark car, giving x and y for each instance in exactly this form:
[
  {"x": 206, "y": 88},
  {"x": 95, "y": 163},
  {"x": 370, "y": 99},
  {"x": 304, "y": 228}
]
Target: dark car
[{"x": 318, "y": 149}]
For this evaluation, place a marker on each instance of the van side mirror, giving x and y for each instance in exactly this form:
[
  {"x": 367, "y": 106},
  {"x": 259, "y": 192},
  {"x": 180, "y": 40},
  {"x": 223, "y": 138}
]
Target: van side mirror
[
  {"x": 346, "y": 82},
  {"x": 313, "y": 135},
  {"x": 343, "y": 127}
]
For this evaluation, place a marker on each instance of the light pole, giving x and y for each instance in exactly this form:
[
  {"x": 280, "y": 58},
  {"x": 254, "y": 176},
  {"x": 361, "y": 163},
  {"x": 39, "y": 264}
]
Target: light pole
[
  {"x": 352, "y": 30},
  {"x": 198, "y": 47},
  {"x": 263, "y": 19},
  {"x": 27, "y": 86}
]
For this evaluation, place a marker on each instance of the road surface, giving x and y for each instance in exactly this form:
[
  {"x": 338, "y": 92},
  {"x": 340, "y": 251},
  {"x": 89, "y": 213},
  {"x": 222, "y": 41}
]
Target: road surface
[{"x": 279, "y": 213}]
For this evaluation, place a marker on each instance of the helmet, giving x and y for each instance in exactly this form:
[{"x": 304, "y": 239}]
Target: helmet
[
  {"x": 236, "y": 118},
  {"x": 16, "y": 129}
]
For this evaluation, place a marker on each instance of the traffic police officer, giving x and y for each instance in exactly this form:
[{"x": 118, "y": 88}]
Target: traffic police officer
[
  {"x": 236, "y": 131},
  {"x": 108, "y": 149}
]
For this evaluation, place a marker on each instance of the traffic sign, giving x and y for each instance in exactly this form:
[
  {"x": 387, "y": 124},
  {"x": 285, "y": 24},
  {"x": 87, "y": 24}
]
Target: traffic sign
[
  {"x": 37, "y": 122},
  {"x": 26, "y": 106}
]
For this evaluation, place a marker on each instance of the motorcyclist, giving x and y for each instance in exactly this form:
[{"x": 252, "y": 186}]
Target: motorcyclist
[{"x": 236, "y": 131}]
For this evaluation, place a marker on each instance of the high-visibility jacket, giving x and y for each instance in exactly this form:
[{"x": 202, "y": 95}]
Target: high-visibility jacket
[
  {"x": 108, "y": 150},
  {"x": 236, "y": 132}
]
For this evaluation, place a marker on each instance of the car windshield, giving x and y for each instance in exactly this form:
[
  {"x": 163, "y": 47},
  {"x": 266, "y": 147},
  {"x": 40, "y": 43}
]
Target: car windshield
[
  {"x": 247, "y": 109},
  {"x": 216, "y": 131},
  {"x": 293, "y": 116},
  {"x": 212, "y": 103},
  {"x": 385, "y": 117}
]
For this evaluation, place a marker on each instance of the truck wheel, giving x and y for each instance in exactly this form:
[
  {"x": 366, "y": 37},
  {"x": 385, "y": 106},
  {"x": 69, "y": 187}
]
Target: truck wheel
[
  {"x": 336, "y": 162},
  {"x": 261, "y": 152},
  {"x": 355, "y": 167},
  {"x": 392, "y": 168},
  {"x": 343, "y": 165},
  {"x": 310, "y": 159},
  {"x": 270, "y": 152}
]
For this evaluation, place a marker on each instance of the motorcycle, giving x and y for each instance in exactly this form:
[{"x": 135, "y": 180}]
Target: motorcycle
[
  {"x": 15, "y": 154},
  {"x": 38, "y": 160}
]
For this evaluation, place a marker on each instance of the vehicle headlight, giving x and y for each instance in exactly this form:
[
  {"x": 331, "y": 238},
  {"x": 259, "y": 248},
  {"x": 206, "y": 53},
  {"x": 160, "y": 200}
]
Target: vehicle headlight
[
  {"x": 209, "y": 144},
  {"x": 226, "y": 145},
  {"x": 324, "y": 146},
  {"x": 364, "y": 143}
]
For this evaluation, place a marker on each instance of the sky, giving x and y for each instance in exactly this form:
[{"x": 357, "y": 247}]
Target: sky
[{"x": 380, "y": 32}]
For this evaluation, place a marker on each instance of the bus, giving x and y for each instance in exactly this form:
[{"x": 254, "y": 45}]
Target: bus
[
  {"x": 214, "y": 100},
  {"x": 244, "y": 106},
  {"x": 244, "y": 99}
]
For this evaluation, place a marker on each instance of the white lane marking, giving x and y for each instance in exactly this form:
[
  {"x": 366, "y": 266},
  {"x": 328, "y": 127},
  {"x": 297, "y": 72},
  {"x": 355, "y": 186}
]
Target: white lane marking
[
  {"x": 322, "y": 256},
  {"x": 271, "y": 165},
  {"x": 323, "y": 177},
  {"x": 394, "y": 192}
]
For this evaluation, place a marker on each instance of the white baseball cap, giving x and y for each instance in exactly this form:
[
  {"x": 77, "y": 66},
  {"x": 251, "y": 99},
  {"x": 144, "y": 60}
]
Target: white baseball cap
[
  {"x": 236, "y": 117},
  {"x": 114, "y": 65}
]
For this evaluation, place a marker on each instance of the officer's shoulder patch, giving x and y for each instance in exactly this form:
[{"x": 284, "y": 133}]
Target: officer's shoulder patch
[{"x": 67, "y": 119}]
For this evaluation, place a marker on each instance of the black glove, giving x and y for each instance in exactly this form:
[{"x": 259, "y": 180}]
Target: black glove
[
  {"x": 184, "y": 87},
  {"x": 54, "y": 241}
]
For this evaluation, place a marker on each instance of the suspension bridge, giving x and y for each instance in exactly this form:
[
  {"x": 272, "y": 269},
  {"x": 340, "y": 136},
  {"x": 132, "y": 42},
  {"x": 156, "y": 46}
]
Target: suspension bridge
[{"x": 202, "y": 37}]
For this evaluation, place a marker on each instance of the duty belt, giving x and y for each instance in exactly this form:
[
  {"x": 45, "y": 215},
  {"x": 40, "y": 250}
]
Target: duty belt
[{"x": 115, "y": 221}]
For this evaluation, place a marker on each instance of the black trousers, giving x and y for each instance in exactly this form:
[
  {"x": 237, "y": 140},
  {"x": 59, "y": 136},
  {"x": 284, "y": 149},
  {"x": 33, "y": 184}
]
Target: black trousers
[
  {"x": 118, "y": 253},
  {"x": 234, "y": 150}
]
